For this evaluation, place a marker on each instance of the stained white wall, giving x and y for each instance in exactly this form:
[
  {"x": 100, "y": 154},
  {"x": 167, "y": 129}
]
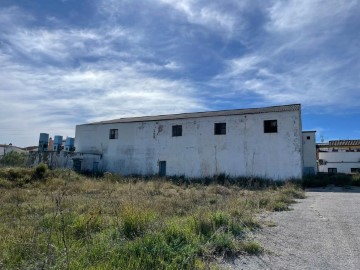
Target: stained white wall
[
  {"x": 343, "y": 161},
  {"x": 245, "y": 150},
  {"x": 309, "y": 151}
]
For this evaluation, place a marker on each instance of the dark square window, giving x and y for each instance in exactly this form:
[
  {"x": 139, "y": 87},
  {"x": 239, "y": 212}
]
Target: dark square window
[
  {"x": 177, "y": 130},
  {"x": 113, "y": 134},
  {"x": 220, "y": 128},
  {"x": 270, "y": 126},
  {"x": 308, "y": 137},
  {"x": 332, "y": 170},
  {"x": 355, "y": 170}
]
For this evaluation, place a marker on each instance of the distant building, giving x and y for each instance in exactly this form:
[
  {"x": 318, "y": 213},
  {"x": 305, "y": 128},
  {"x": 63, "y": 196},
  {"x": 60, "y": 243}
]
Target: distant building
[
  {"x": 309, "y": 152},
  {"x": 8, "y": 148},
  {"x": 263, "y": 142},
  {"x": 339, "y": 156}
]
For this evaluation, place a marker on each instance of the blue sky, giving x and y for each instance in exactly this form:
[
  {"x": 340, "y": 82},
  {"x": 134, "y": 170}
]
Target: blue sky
[{"x": 70, "y": 62}]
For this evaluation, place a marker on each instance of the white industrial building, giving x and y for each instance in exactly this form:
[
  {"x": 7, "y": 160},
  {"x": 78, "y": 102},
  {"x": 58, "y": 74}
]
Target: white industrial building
[
  {"x": 339, "y": 156},
  {"x": 263, "y": 142}
]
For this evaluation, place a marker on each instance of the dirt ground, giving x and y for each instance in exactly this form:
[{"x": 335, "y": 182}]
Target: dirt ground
[{"x": 321, "y": 232}]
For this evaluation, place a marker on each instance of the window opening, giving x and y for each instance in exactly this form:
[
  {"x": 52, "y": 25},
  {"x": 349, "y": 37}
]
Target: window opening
[
  {"x": 270, "y": 126},
  {"x": 220, "y": 128},
  {"x": 113, "y": 134},
  {"x": 177, "y": 130}
]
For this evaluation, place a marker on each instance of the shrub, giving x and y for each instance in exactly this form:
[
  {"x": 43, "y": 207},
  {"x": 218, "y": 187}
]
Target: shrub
[
  {"x": 135, "y": 222},
  {"x": 5, "y": 183},
  {"x": 251, "y": 247},
  {"x": 202, "y": 225},
  {"x": 223, "y": 243},
  {"x": 356, "y": 180},
  {"x": 40, "y": 171},
  {"x": 280, "y": 206},
  {"x": 84, "y": 225},
  {"x": 14, "y": 159},
  {"x": 153, "y": 252}
]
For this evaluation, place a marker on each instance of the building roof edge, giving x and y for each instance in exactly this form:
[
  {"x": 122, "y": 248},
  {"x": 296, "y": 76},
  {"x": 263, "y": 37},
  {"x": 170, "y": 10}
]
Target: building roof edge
[{"x": 281, "y": 108}]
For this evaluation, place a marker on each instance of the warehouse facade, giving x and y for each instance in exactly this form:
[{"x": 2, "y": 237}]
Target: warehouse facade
[{"x": 262, "y": 142}]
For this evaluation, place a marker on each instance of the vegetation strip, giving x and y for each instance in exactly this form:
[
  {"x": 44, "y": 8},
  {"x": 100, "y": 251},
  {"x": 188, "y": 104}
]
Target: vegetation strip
[{"x": 62, "y": 220}]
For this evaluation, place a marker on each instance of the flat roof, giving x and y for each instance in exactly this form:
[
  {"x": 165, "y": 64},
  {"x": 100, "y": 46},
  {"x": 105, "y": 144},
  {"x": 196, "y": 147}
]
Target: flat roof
[{"x": 282, "y": 108}]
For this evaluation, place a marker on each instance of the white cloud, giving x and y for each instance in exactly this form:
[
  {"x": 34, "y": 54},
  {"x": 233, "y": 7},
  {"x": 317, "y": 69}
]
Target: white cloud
[
  {"x": 238, "y": 66},
  {"x": 297, "y": 14},
  {"x": 312, "y": 83},
  {"x": 57, "y": 99},
  {"x": 204, "y": 13},
  {"x": 62, "y": 45},
  {"x": 301, "y": 58},
  {"x": 11, "y": 15}
]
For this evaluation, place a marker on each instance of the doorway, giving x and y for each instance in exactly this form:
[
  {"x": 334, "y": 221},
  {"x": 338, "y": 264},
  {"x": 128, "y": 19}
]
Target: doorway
[{"x": 162, "y": 168}]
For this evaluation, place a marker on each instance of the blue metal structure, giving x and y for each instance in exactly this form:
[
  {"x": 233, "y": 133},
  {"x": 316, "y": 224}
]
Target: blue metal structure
[
  {"x": 69, "y": 144},
  {"x": 57, "y": 142},
  {"x": 43, "y": 142}
]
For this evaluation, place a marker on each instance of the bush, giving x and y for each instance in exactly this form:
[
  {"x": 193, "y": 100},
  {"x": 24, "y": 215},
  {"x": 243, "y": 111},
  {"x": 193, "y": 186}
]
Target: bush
[
  {"x": 135, "y": 222},
  {"x": 356, "y": 180},
  {"x": 84, "y": 225},
  {"x": 14, "y": 159},
  {"x": 40, "y": 171},
  {"x": 223, "y": 243},
  {"x": 251, "y": 247}
]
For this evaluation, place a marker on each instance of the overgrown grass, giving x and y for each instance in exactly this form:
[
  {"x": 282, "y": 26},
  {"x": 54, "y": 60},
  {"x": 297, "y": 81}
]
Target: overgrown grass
[{"x": 61, "y": 220}]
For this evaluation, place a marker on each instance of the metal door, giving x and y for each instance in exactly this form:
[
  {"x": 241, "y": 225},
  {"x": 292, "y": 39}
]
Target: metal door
[
  {"x": 77, "y": 165},
  {"x": 162, "y": 168},
  {"x": 95, "y": 167}
]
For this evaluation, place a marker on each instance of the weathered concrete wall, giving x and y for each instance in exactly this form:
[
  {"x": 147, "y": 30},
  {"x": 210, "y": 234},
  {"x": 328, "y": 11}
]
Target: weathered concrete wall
[
  {"x": 65, "y": 160},
  {"x": 52, "y": 159},
  {"x": 245, "y": 150},
  {"x": 309, "y": 152},
  {"x": 343, "y": 161}
]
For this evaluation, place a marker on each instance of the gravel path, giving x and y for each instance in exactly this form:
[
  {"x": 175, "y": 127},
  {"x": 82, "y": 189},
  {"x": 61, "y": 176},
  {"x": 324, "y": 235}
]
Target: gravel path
[{"x": 322, "y": 232}]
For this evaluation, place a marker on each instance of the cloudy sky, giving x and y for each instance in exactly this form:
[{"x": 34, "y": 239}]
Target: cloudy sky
[{"x": 70, "y": 62}]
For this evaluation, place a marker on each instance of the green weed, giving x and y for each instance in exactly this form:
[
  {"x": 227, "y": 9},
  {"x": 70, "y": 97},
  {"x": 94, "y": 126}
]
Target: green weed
[{"x": 58, "y": 219}]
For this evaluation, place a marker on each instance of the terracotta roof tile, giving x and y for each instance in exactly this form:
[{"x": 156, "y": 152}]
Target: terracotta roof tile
[{"x": 344, "y": 143}]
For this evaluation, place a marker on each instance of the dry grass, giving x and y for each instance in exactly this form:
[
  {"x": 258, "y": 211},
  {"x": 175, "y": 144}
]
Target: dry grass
[{"x": 62, "y": 220}]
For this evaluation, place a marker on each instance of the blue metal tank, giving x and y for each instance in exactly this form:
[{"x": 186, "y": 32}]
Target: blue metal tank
[
  {"x": 57, "y": 142},
  {"x": 69, "y": 144},
  {"x": 43, "y": 142}
]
